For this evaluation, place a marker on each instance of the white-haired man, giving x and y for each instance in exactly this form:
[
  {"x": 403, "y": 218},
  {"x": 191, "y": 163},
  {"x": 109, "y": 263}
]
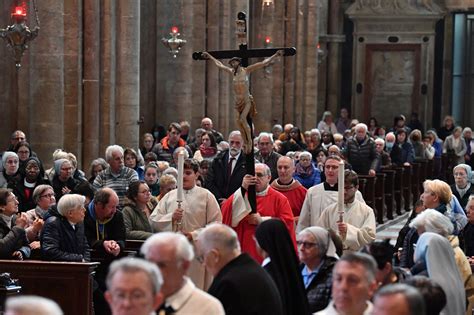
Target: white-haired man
[
  {"x": 361, "y": 153},
  {"x": 266, "y": 154},
  {"x": 236, "y": 211},
  {"x": 117, "y": 176},
  {"x": 133, "y": 287},
  {"x": 173, "y": 254},
  {"x": 227, "y": 169},
  {"x": 31, "y": 305}
]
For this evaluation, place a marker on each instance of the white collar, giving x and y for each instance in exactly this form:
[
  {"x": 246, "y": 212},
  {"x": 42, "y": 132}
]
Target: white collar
[
  {"x": 180, "y": 297},
  {"x": 266, "y": 261},
  {"x": 263, "y": 192}
]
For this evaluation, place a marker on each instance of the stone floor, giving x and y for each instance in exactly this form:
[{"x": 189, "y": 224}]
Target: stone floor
[{"x": 391, "y": 228}]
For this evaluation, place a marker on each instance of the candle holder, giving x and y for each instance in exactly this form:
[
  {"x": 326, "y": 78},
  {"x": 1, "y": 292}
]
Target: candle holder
[
  {"x": 174, "y": 44},
  {"x": 19, "y": 34}
]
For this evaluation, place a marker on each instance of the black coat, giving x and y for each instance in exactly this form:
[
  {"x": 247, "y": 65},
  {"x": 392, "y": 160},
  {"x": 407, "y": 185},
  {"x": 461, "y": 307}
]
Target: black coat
[
  {"x": 244, "y": 288},
  {"x": 19, "y": 189},
  {"x": 462, "y": 201},
  {"x": 319, "y": 289},
  {"x": 362, "y": 156},
  {"x": 217, "y": 180},
  {"x": 12, "y": 240},
  {"x": 113, "y": 230},
  {"x": 60, "y": 242}
]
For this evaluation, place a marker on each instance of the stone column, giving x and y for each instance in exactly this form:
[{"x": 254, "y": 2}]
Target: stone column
[
  {"x": 8, "y": 77},
  {"x": 334, "y": 58},
  {"x": 46, "y": 85},
  {"x": 91, "y": 88},
  {"x": 148, "y": 55},
  {"x": 107, "y": 70},
  {"x": 127, "y": 90},
  {"x": 289, "y": 71}
]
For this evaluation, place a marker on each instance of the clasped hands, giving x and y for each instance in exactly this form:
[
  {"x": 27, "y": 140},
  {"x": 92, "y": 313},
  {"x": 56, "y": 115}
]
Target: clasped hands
[{"x": 112, "y": 247}]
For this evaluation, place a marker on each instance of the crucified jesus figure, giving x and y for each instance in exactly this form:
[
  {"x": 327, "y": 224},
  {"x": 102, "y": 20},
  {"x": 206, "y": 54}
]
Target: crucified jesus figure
[{"x": 244, "y": 103}]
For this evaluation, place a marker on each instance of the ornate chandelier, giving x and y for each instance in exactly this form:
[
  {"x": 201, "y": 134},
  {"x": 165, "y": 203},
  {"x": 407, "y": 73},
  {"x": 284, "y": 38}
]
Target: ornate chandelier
[{"x": 19, "y": 34}]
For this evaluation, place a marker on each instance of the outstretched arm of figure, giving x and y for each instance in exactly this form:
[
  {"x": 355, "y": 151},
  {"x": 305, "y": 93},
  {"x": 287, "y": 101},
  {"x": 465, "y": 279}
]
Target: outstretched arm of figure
[
  {"x": 265, "y": 62},
  {"x": 219, "y": 64}
]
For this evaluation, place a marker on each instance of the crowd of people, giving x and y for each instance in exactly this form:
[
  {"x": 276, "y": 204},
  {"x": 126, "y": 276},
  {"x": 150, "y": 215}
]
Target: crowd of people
[{"x": 209, "y": 253}]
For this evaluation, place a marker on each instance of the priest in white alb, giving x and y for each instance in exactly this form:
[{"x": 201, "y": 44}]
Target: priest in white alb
[
  {"x": 198, "y": 208},
  {"x": 356, "y": 224},
  {"x": 321, "y": 196}
]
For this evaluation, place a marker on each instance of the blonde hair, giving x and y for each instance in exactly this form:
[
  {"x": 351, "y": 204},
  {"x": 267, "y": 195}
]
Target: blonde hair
[{"x": 440, "y": 189}]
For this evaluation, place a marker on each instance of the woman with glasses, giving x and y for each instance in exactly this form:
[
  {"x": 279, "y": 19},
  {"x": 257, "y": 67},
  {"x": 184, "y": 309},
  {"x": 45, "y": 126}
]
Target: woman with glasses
[
  {"x": 43, "y": 196},
  {"x": 63, "y": 181},
  {"x": 23, "y": 187},
  {"x": 13, "y": 241},
  {"x": 274, "y": 244},
  {"x": 317, "y": 253},
  {"x": 136, "y": 212},
  {"x": 23, "y": 150}
]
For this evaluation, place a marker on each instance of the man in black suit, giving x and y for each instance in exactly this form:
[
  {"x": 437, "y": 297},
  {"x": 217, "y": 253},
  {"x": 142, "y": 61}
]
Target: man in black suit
[
  {"x": 227, "y": 169},
  {"x": 242, "y": 285}
]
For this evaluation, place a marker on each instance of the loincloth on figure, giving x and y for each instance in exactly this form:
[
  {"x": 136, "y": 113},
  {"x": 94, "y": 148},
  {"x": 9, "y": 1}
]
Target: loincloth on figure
[{"x": 240, "y": 105}]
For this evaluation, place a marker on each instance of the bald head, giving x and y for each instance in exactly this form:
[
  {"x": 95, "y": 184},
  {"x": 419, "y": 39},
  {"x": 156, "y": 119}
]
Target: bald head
[
  {"x": 286, "y": 169},
  {"x": 221, "y": 240},
  {"x": 288, "y": 128}
]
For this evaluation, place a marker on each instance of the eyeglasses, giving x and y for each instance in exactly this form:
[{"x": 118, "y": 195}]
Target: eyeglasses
[
  {"x": 47, "y": 196},
  {"x": 306, "y": 245},
  {"x": 133, "y": 297},
  {"x": 459, "y": 174}
]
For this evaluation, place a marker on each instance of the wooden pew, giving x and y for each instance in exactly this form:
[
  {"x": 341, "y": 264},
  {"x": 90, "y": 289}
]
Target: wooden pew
[
  {"x": 415, "y": 180},
  {"x": 67, "y": 283},
  {"x": 369, "y": 190},
  {"x": 397, "y": 189},
  {"x": 430, "y": 166},
  {"x": 380, "y": 197},
  {"x": 389, "y": 191},
  {"x": 407, "y": 175},
  {"x": 134, "y": 245}
]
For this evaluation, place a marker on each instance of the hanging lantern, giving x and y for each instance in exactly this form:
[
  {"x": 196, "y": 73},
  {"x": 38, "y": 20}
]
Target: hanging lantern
[
  {"x": 19, "y": 34},
  {"x": 174, "y": 44}
]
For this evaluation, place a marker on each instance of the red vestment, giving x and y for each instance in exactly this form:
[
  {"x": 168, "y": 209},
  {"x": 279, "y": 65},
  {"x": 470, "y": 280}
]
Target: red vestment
[
  {"x": 295, "y": 192},
  {"x": 273, "y": 205}
]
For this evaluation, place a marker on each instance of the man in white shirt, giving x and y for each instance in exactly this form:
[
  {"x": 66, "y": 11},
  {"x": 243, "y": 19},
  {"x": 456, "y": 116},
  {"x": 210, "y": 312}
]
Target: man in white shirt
[
  {"x": 173, "y": 254},
  {"x": 356, "y": 225},
  {"x": 321, "y": 196},
  {"x": 353, "y": 284}
]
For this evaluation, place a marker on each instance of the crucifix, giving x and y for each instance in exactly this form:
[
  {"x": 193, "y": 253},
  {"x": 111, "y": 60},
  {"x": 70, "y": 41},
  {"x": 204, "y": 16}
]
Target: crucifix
[{"x": 244, "y": 104}]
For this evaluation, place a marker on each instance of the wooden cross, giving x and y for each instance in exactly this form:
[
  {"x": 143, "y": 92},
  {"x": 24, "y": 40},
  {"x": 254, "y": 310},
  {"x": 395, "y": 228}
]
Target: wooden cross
[{"x": 244, "y": 53}]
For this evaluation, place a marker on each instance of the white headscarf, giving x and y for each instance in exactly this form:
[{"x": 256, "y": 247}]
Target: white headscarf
[{"x": 438, "y": 254}]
